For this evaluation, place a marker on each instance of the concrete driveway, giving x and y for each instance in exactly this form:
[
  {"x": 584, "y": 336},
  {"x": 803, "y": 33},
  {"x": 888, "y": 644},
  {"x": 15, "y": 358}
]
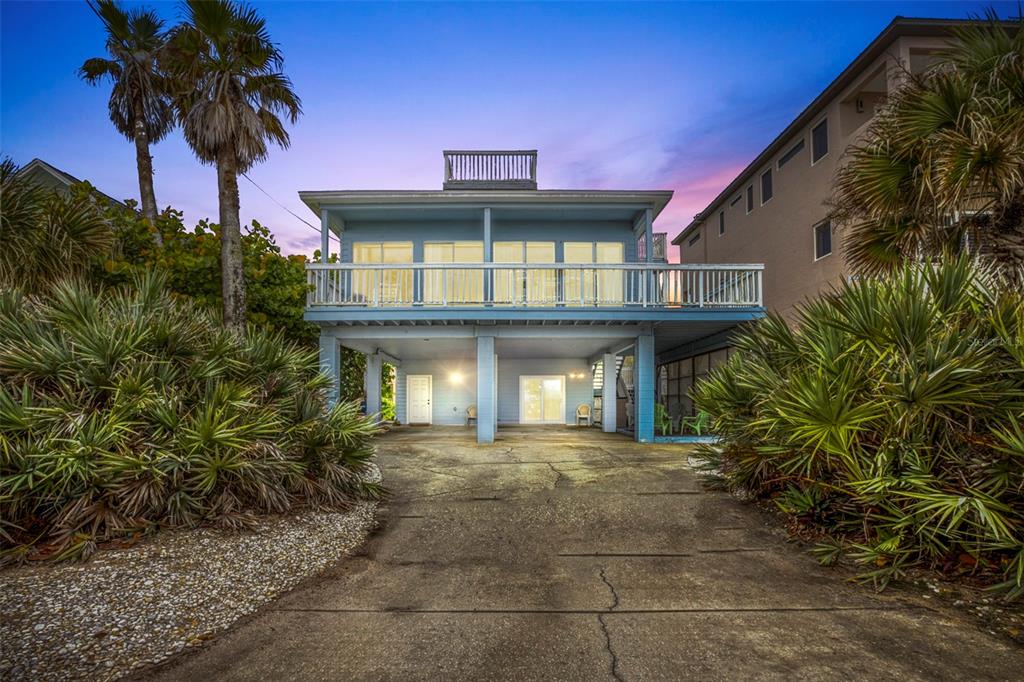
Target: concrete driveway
[{"x": 565, "y": 555}]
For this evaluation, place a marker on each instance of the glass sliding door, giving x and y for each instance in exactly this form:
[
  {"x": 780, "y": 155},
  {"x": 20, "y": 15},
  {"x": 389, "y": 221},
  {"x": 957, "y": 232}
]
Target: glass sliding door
[
  {"x": 540, "y": 284},
  {"x": 609, "y": 282},
  {"x": 542, "y": 399},
  {"x": 578, "y": 284},
  {"x": 520, "y": 286},
  {"x": 456, "y": 285},
  {"x": 382, "y": 287},
  {"x": 508, "y": 281}
]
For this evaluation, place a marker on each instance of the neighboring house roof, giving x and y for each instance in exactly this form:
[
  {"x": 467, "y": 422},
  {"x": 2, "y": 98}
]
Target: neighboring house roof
[
  {"x": 397, "y": 198},
  {"x": 897, "y": 28},
  {"x": 50, "y": 176}
]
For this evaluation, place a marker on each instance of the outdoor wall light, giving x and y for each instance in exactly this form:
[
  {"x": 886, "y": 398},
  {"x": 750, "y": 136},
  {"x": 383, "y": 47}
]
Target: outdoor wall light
[{"x": 455, "y": 377}]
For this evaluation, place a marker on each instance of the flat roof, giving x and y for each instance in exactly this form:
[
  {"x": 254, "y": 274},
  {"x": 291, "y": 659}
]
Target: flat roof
[
  {"x": 315, "y": 200},
  {"x": 899, "y": 27}
]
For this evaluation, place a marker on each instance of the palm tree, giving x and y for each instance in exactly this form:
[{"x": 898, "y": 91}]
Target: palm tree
[
  {"x": 230, "y": 92},
  {"x": 943, "y": 164},
  {"x": 139, "y": 106}
]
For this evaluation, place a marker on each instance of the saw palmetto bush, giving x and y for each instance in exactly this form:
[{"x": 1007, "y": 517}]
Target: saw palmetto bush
[
  {"x": 130, "y": 410},
  {"x": 889, "y": 419}
]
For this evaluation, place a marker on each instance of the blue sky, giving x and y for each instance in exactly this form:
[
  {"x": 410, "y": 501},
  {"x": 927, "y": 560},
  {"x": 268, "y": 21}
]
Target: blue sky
[{"x": 614, "y": 95}]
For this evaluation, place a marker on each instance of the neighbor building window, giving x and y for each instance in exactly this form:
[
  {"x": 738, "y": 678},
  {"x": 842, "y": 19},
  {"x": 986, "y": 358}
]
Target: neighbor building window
[
  {"x": 750, "y": 198},
  {"x": 721, "y": 222},
  {"x": 735, "y": 200},
  {"x": 793, "y": 151},
  {"x": 766, "y": 186},
  {"x": 694, "y": 239},
  {"x": 819, "y": 141},
  {"x": 822, "y": 239}
]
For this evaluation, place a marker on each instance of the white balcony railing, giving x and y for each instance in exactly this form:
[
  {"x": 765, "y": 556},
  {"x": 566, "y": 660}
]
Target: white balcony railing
[{"x": 534, "y": 285}]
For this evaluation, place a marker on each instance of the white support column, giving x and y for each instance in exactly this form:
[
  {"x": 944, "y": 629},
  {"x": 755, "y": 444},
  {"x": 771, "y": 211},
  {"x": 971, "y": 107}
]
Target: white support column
[
  {"x": 609, "y": 403},
  {"x": 485, "y": 389},
  {"x": 330, "y": 364},
  {"x": 371, "y": 384},
  {"x": 325, "y": 236}
]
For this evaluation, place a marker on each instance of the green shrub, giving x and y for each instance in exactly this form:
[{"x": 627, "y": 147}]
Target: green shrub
[
  {"x": 889, "y": 418},
  {"x": 132, "y": 409}
]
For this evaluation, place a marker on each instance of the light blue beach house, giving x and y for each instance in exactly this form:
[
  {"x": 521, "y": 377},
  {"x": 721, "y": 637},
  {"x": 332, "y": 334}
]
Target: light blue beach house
[{"x": 501, "y": 303}]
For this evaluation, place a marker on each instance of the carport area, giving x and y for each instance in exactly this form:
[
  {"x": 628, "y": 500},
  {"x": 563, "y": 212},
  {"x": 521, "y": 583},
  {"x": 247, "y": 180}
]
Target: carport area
[
  {"x": 491, "y": 374},
  {"x": 557, "y": 554}
]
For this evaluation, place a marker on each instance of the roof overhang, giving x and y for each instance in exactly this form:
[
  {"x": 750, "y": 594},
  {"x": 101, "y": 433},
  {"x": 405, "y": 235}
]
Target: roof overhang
[{"x": 358, "y": 203}]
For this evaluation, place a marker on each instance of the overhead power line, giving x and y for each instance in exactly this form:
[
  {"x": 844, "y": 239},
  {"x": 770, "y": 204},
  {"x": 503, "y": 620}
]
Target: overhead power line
[{"x": 295, "y": 215}]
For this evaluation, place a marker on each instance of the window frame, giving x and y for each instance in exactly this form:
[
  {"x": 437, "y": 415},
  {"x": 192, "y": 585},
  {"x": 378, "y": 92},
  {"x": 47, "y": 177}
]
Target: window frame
[
  {"x": 814, "y": 237},
  {"x": 822, "y": 122},
  {"x": 771, "y": 186}
]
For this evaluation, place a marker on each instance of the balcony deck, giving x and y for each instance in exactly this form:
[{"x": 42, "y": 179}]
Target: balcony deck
[{"x": 454, "y": 292}]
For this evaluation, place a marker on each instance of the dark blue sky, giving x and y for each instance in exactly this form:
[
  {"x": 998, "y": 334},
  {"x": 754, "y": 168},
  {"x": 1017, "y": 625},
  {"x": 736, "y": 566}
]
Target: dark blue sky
[{"x": 678, "y": 96}]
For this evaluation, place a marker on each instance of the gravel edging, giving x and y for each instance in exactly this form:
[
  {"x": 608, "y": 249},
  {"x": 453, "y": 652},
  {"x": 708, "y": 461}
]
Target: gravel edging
[{"x": 126, "y": 609}]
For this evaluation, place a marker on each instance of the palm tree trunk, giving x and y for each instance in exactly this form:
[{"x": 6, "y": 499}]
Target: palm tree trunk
[
  {"x": 144, "y": 162},
  {"x": 232, "y": 275}
]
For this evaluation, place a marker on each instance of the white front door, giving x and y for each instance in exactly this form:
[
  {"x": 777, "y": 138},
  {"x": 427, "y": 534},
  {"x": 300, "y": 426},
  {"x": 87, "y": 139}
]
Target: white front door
[
  {"x": 542, "y": 399},
  {"x": 419, "y": 388}
]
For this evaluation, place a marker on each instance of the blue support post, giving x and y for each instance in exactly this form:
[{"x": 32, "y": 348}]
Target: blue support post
[
  {"x": 485, "y": 389},
  {"x": 609, "y": 399},
  {"x": 644, "y": 389},
  {"x": 325, "y": 236},
  {"x": 330, "y": 364},
  {"x": 371, "y": 384}
]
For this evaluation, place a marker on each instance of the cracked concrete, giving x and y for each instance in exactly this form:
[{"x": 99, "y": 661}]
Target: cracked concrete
[{"x": 619, "y": 567}]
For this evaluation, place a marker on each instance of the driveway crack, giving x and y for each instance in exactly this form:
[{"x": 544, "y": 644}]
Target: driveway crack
[
  {"x": 604, "y": 628},
  {"x": 559, "y": 476}
]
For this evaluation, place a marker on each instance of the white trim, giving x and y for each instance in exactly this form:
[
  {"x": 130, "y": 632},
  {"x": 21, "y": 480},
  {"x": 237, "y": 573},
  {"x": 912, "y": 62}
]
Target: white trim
[
  {"x": 824, "y": 120},
  {"x": 522, "y": 410},
  {"x": 408, "y": 398}
]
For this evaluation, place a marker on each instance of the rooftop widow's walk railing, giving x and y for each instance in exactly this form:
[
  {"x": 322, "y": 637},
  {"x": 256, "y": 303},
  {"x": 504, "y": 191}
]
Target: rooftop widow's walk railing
[
  {"x": 490, "y": 169},
  {"x": 564, "y": 285}
]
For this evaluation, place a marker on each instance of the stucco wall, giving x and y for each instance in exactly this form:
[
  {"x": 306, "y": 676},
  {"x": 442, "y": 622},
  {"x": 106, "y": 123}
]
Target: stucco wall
[{"x": 450, "y": 400}]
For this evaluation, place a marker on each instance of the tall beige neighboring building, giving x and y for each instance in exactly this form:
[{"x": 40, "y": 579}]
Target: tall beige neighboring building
[{"x": 775, "y": 211}]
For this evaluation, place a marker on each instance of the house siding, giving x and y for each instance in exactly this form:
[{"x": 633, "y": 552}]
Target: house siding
[
  {"x": 576, "y": 390},
  {"x": 450, "y": 401}
]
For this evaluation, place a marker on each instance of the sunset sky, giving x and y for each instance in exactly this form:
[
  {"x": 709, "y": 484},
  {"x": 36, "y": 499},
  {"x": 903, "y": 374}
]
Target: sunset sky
[{"x": 629, "y": 96}]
